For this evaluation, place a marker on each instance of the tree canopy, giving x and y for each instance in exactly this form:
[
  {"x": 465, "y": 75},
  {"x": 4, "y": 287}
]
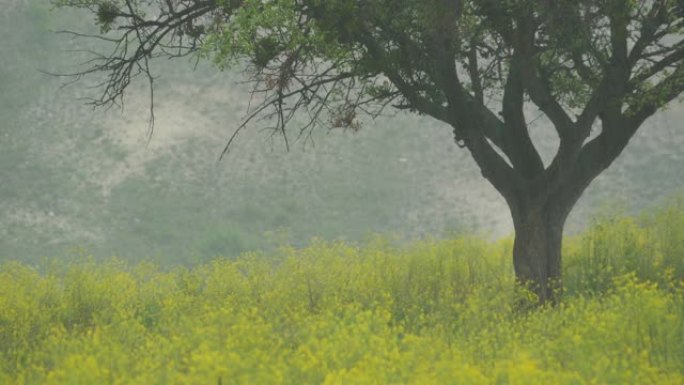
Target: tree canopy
[{"x": 596, "y": 69}]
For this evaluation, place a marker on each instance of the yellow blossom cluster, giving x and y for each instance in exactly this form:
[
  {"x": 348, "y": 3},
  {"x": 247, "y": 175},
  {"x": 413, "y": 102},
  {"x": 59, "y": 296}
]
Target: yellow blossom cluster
[{"x": 434, "y": 312}]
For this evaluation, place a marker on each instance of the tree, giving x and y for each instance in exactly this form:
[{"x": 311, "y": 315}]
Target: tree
[{"x": 596, "y": 69}]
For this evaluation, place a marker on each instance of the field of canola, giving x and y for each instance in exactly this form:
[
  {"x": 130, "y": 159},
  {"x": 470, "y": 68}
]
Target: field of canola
[{"x": 434, "y": 312}]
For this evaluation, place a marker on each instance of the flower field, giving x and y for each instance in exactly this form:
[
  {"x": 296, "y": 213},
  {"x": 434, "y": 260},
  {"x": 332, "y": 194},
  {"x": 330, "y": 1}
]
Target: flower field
[{"x": 433, "y": 312}]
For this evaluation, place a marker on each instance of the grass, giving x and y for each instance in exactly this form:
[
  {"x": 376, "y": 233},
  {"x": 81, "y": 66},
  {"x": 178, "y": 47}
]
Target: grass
[{"x": 435, "y": 312}]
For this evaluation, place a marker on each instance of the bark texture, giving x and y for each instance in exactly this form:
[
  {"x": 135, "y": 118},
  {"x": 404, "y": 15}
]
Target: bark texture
[{"x": 537, "y": 252}]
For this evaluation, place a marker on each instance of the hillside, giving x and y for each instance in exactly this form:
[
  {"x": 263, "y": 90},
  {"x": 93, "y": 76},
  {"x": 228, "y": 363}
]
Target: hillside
[{"x": 76, "y": 180}]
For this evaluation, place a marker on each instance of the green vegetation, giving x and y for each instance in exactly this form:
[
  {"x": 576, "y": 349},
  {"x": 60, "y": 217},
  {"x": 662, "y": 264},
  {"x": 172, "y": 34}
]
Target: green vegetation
[{"x": 436, "y": 312}]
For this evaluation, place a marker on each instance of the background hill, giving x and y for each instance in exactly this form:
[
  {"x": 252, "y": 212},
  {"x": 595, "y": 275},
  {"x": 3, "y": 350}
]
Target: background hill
[{"x": 77, "y": 180}]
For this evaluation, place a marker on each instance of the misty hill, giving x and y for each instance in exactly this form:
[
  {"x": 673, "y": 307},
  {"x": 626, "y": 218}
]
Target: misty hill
[{"x": 78, "y": 180}]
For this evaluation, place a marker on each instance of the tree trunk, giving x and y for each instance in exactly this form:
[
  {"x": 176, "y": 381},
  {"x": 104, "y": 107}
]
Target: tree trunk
[{"x": 537, "y": 251}]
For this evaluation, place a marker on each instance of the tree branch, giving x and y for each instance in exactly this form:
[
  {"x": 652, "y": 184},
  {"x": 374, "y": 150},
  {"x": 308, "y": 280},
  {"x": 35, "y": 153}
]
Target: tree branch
[{"x": 518, "y": 145}]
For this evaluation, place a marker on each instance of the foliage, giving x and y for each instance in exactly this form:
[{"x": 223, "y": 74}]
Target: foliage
[
  {"x": 436, "y": 57},
  {"x": 333, "y": 313}
]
